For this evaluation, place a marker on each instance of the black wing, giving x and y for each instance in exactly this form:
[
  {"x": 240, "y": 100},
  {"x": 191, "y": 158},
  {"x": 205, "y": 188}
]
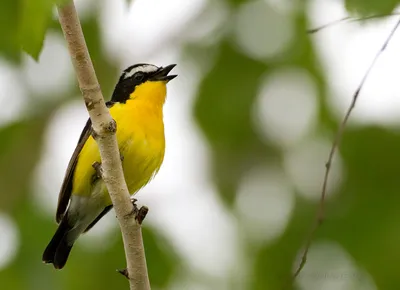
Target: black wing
[{"x": 66, "y": 187}]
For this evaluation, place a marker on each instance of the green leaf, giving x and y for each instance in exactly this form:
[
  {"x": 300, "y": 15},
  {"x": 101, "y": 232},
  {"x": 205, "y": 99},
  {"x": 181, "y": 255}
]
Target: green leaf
[
  {"x": 223, "y": 107},
  {"x": 19, "y": 151},
  {"x": 9, "y": 16},
  {"x": 369, "y": 7},
  {"x": 236, "y": 2},
  {"x": 35, "y": 19},
  {"x": 223, "y": 110},
  {"x": 85, "y": 269}
]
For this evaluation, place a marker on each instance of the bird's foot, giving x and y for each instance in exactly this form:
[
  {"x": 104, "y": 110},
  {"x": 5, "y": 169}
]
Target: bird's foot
[{"x": 99, "y": 171}]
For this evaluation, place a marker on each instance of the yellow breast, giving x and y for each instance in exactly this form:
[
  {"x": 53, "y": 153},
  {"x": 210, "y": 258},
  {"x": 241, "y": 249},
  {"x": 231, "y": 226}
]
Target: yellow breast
[
  {"x": 140, "y": 135},
  {"x": 142, "y": 144}
]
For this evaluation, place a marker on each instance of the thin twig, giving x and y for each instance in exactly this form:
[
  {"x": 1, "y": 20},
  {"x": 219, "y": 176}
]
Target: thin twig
[
  {"x": 314, "y": 30},
  {"x": 104, "y": 132},
  {"x": 348, "y": 19},
  {"x": 336, "y": 142}
]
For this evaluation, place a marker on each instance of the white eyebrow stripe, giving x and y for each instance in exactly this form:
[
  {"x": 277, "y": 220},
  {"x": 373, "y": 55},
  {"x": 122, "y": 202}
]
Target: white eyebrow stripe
[{"x": 143, "y": 68}]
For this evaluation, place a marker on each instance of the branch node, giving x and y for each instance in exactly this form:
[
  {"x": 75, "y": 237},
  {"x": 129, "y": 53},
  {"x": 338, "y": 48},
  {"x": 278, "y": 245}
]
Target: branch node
[
  {"x": 138, "y": 213},
  {"x": 142, "y": 214},
  {"x": 123, "y": 272},
  {"x": 89, "y": 102},
  {"x": 95, "y": 135},
  {"x": 328, "y": 164},
  {"x": 134, "y": 211},
  {"x": 109, "y": 127}
]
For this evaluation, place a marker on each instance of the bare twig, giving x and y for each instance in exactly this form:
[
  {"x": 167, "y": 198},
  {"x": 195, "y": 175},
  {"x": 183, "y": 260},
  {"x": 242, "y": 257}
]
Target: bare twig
[
  {"x": 314, "y": 30},
  {"x": 336, "y": 142},
  {"x": 348, "y": 19},
  {"x": 104, "y": 129}
]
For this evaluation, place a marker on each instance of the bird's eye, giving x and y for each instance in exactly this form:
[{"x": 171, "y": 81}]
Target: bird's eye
[{"x": 139, "y": 76}]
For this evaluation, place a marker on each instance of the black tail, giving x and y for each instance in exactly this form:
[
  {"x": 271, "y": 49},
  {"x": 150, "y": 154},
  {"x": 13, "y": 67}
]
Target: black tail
[{"x": 57, "y": 251}]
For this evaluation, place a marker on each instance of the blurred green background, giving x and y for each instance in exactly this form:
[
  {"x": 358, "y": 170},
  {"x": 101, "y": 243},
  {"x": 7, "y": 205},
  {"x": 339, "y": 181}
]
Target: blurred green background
[{"x": 248, "y": 123}]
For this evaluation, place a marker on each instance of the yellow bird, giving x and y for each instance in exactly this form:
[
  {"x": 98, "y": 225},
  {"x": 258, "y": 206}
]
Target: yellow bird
[{"x": 137, "y": 108}]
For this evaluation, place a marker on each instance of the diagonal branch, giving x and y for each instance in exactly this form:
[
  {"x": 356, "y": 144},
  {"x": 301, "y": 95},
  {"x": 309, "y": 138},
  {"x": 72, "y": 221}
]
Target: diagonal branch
[
  {"x": 105, "y": 128},
  {"x": 348, "y": 19},
  {"x": 336, "y": 142},
  {"x": 329, "y": 24}
]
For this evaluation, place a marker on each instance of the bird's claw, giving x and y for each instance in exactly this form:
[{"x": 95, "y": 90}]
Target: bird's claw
[{"x": 99, "y": 171}]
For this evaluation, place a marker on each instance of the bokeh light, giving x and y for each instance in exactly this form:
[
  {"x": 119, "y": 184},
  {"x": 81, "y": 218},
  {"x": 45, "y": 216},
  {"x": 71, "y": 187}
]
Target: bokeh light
[
  {"x": 9, "y": 240},
  {"x": 286, "y": 107},
  {"x": 333, "y": 268},
  {"x": 54, "y": 64},
  {"x": 256, "y": 33},
  {"x": 265, "y": 201},
  {"x": 305, "y": 164},
  {"x": 12, "y": 94}
]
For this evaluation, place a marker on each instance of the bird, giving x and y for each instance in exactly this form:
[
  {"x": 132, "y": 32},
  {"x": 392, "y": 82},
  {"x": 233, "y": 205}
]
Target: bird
[{"x": 136, "y": 106}]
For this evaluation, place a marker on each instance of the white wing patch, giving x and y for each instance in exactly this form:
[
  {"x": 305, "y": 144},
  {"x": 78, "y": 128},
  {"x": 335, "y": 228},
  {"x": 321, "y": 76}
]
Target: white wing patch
[{"x": 147, "y": 68}]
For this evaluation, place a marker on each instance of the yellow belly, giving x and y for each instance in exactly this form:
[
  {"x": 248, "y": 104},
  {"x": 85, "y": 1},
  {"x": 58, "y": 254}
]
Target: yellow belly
[{"x": 140, "y": 135}]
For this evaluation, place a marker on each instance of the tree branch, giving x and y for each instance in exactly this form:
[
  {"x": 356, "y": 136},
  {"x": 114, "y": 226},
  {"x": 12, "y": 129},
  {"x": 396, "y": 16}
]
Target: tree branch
[
  {"x": 349, "y": 19},
  {"x": 336, "y": 142},
  {"x": 105, "y": 128}
]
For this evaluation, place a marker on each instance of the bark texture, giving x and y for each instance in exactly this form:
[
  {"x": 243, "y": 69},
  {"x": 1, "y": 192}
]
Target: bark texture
[{"x": 104, "y": 129}]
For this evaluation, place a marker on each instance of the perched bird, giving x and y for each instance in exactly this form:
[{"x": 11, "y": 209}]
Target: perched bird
[{"x": 137, "y": 107}]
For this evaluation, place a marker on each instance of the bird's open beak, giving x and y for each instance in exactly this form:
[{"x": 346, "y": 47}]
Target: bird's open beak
[{"x": 162, "y": 74}]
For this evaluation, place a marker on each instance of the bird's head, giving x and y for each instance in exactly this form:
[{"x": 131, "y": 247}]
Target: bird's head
[{"x": 143, "y": 81}]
